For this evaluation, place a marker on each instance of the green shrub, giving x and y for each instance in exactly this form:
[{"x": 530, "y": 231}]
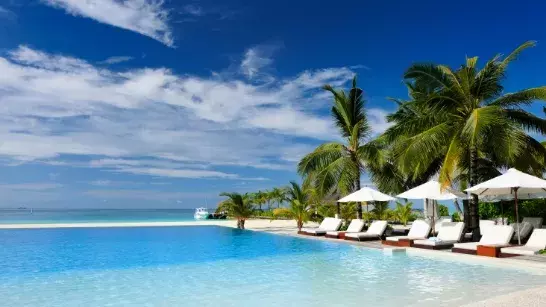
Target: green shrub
[{"x": 443, "y": 210}]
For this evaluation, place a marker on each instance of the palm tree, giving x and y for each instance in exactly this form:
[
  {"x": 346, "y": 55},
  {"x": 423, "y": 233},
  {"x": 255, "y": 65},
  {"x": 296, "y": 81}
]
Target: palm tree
[
  {"x": 299, "y": 207},
  {"x": 403, "y": 212},
  {"x": 381, "y": 210},
  {"x": 337, "y": 167},
  {"x": 259, "y": 198},
  {"x": 278, "y": 196},
  {"x": 238, "y": 206},
  {"x": 464, "y": 118}
]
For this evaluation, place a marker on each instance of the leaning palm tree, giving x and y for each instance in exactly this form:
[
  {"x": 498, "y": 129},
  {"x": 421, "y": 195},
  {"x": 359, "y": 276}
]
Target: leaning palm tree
[
  {"x": 299, "y": 208},
  {"x": 337, "y": 167},
  {"x": 467, "y": 120},
  {"x": 238, "y": 206}
]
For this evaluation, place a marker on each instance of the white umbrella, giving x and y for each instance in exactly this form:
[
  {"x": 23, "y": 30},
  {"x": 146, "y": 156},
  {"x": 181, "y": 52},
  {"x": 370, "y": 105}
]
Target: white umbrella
[
  {"x": 512, "y": 183},
  {"x": 432, "y": 190},
  {"x": 365, "y": 194}
]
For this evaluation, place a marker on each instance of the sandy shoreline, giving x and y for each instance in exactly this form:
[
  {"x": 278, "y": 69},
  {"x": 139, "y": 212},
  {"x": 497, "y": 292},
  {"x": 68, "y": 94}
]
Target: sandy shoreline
[{"x": 529, "y": 297}]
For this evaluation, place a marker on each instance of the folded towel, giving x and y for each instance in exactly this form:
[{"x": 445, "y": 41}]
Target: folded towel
[{"x": 435, "y": 239}]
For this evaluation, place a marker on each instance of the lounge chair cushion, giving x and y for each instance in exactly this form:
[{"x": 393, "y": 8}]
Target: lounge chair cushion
[
  {"x": 328, "y": 224},
  {"x": 419, "y": 229},
  {"x": 497, "y": 235},
  {"x": 535, "y": 221},
  {"x": 451, "y": 231},
  {"x": 525, "y": 229},
  {"x": 521, "y": 250},
  {"x": 537, "y": 239},
  {"x": 434, "y": 242},
  {"x": 356, "y": 225},
  {"x": 468, "y": 246},
  {"x": 376, "y": 230}
]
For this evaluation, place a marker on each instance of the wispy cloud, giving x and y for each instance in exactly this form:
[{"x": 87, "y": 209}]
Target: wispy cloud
[
  {"x": 154, "y": 122},
  {"x": 147, "y": 195},
  {"x": 256, "y": 59},
  {"x": 147, "y": 17},
  {"x": 116, "y": 59},
  {"x": 5, "y": 13},
  {"x": 32, "y": 186}
]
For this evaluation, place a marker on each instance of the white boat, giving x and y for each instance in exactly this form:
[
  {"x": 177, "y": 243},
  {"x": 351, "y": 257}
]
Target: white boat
[{"x": 201, "y": 214}]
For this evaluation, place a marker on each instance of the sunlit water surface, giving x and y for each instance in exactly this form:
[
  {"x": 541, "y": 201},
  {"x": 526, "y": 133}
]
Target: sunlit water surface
[{"x": 217, "y": 266}]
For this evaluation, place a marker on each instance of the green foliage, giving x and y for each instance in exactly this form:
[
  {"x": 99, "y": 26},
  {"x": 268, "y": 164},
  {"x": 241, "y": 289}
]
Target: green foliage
[
  {"x": 238, "y": 206},
  {"x": 527, "y": 208},
  {"x": 382, "y": 211},
  {"x": 337, "y": 167},
  {"x": 403, "y": 212},
  {"x": 443, "y": 210},
  {"x": 456, "y": 217},
  {"x": 299, "y": 208}
]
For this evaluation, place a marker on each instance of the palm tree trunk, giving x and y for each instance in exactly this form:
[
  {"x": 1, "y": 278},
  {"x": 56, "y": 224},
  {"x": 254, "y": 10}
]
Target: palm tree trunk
[
  {"x": 358, "y": 205},
  {"x": 300, "y": 225},
  {"x": 474, "y": 217},
  {"x": 242, "y": 224}
]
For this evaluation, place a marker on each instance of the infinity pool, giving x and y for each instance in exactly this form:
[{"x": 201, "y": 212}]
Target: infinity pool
[{"x": 217, "y": 266}]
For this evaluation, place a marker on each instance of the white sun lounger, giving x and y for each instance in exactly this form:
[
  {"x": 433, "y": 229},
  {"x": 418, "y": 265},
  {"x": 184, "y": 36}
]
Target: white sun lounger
[
  {"x": 419, "y": 231},
  {"x": 355, "y": 226},
  {"x": 535, "y": 221},
  {"x": 498, "y": 236},
  {"x": 440, "y": 222},
  {"x": 484, "y": 227},
  {"x": 536, "y": 243},
  {"x": 449, "y": 234},
  {"x": 374, "y": 232},
  {"x": 328, "y": 224},
  {"x": 525, "y": 230}
]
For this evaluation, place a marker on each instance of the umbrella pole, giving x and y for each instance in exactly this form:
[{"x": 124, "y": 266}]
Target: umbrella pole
[
  {"x": 502, "y": 211},
  {"x": 517, "y": 215},
  {"x": 338, "y": 210}
]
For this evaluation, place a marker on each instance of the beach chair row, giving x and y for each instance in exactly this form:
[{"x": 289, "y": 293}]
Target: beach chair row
[{"x": 495, "y": 240}]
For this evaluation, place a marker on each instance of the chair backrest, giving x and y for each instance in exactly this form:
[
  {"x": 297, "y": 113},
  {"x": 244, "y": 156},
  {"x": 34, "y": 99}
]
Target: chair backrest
[
  {"x": 419, "y": 229},
  {"x": 451, "y": 231},
  {"x": 497, "y": 234},
  {"x": 537, "y": 239},
  {"x": 377, "y": 228},
  {"x": 535, "y": 221},
  {"x": 333, "y": 225},
  {"x": 356, "y": 225},
  {"x": 325, "y": 222},
  {"x": 524, "y": 229},
  {"x": 485, "y": 226}
]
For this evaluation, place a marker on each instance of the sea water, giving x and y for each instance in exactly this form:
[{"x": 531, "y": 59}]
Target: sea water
[{"x": 48, "y": 216}]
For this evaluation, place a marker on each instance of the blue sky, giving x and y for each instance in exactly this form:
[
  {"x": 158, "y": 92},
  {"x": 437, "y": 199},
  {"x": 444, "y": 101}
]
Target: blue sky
[{"x": 146, "y": 103}]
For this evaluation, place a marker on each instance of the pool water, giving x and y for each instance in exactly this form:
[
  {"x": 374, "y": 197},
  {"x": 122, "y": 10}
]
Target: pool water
[{"x": 213, "y": 266}]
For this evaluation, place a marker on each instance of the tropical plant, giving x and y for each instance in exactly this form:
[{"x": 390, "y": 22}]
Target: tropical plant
[
  {"x": 238, "y": 206},
  {"x": 443, "y": 210},
  {"x": 259, "y": 199},
  {"x": 337, "y": 167},
  {"x": 462, "y": 118},
  {"x": 403, "y": 212},
  {"x": 278, "y": 196},
  {"x": 381, "y": 210},
  {"x": 298, "y": 208}
]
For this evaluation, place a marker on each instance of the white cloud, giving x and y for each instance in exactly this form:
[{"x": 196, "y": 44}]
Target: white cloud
[
  {"x": 5, "y": 13},
  {"x": 33, "y": 186},
  {"x": 378, "y": 120},
  {"x": 149, "y": 195},
  {"x": 116, "y": 59},
  {"x": 256, "y": 59},
  {"x": 147, "y": 17},
  {"x": 152, "y": 121}
]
